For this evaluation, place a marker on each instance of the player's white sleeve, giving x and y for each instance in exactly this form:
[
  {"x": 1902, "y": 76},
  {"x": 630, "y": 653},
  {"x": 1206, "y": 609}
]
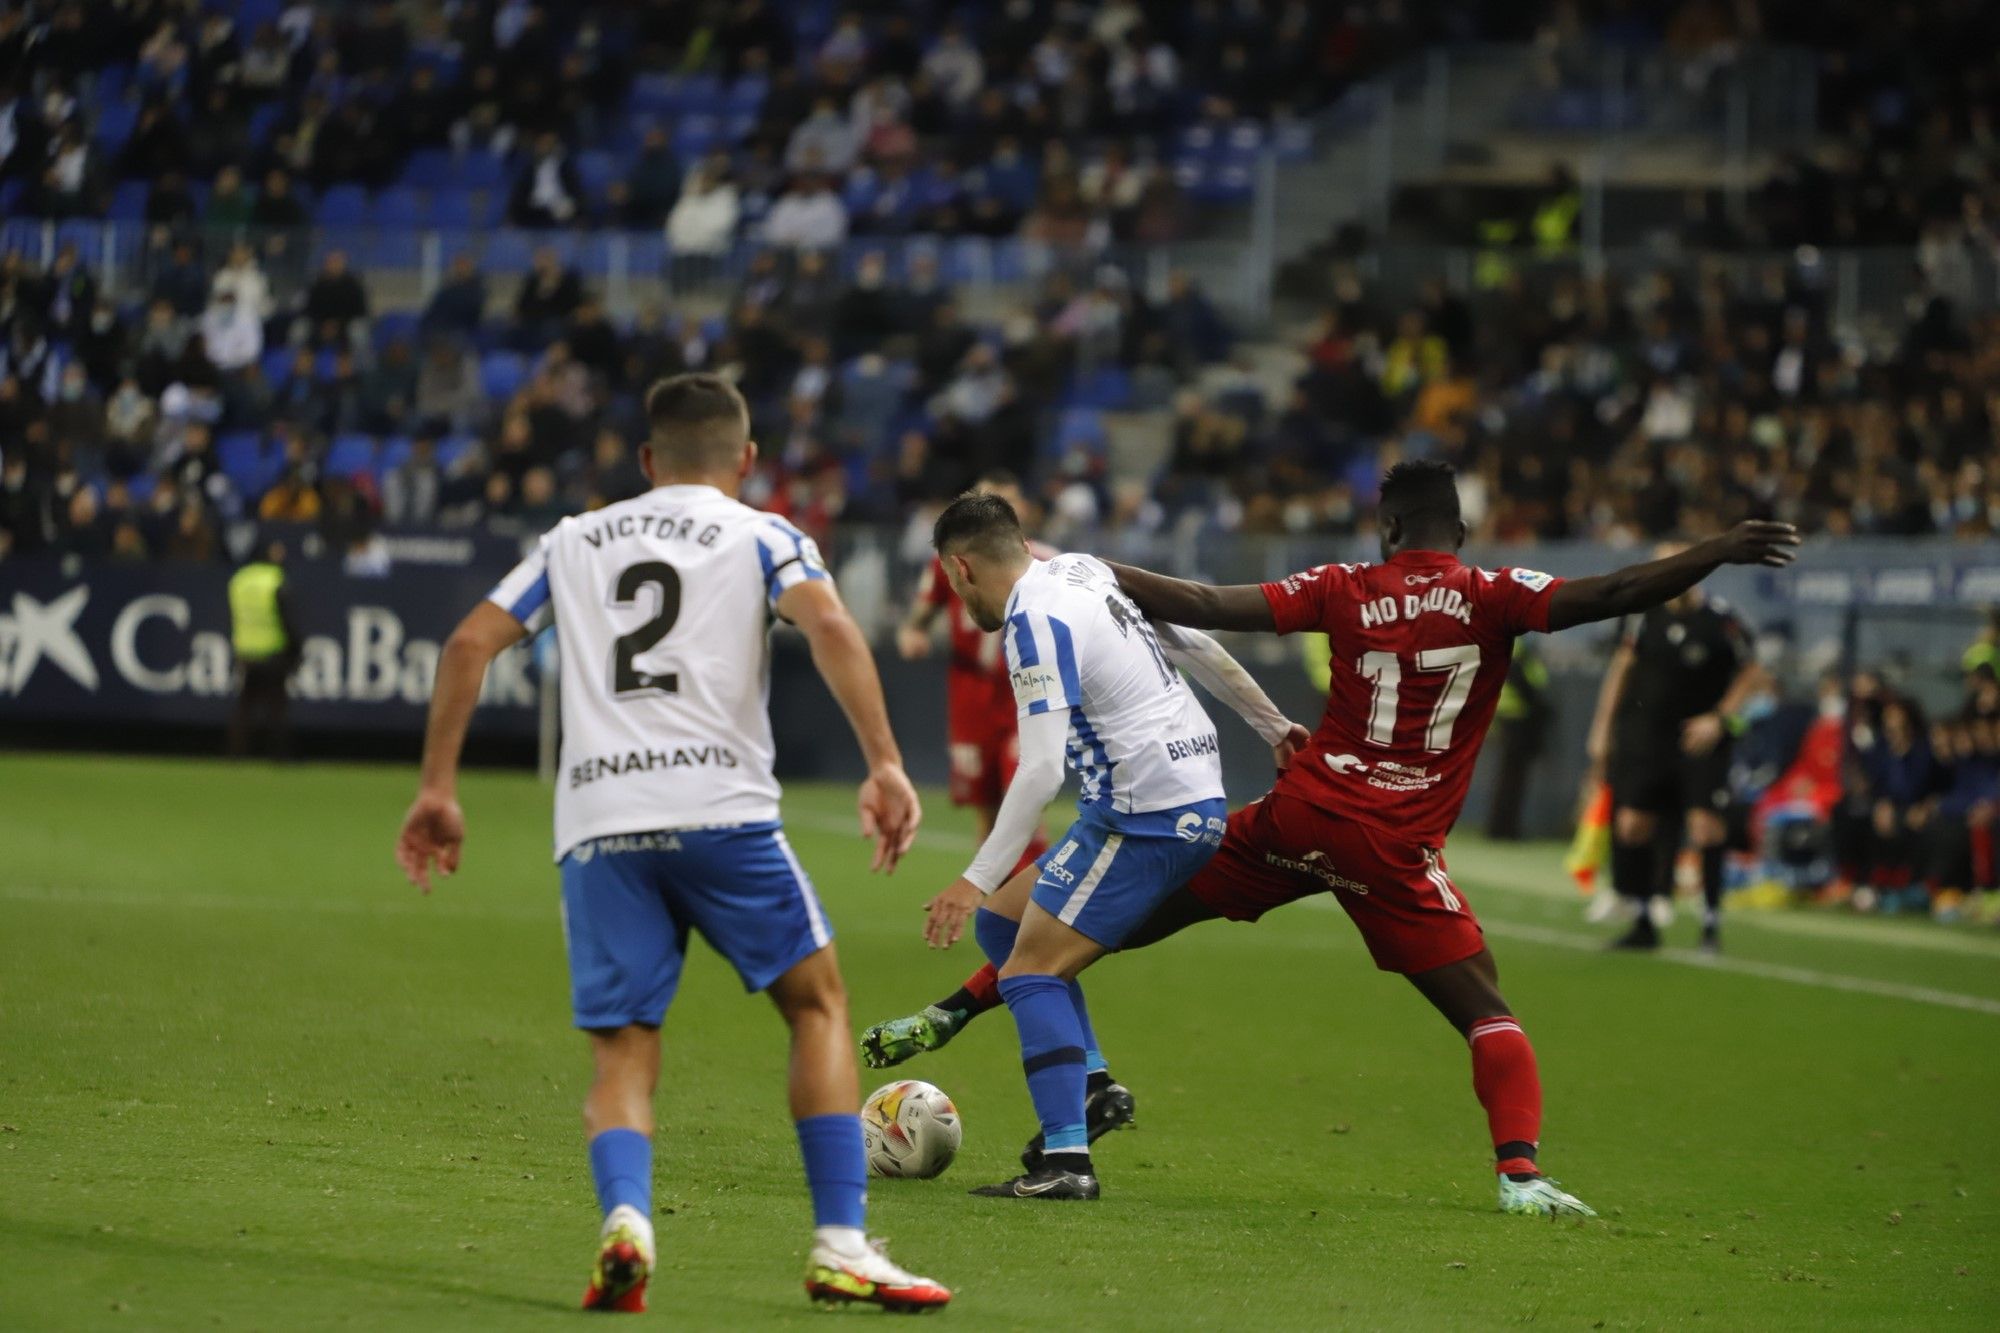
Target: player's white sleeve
[
  {"x": 788, "y": 557},
  {"x": 1036, "y": 782},
  {"x": 1224, "y": 677},
  {"x": 524, "y": 593}
]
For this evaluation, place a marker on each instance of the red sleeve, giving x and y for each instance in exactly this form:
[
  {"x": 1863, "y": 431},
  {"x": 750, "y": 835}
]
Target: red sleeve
[
  {"x": 1298, "y": 601},
  {"x": 934, "y": 589},
  {"x": 1522, "y": 597}
]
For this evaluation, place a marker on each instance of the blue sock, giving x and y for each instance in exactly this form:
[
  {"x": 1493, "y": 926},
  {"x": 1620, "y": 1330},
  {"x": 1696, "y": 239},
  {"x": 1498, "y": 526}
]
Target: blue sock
[
  {"x": 621, "y": 1163},
  {"x": 836, "y": 1169},
  {"x": 995, "y": 934},
  {"x": 1093, "y": 1059},
  {"x": 1051, "y": 1055}
]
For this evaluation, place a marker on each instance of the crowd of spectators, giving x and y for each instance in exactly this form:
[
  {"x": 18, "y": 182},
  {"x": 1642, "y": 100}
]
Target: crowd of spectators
[
  {"x": 223, "y": 396},
  {"x": 1897, "y": 811},
  {"x": 792, "y": 119},
  {"x": 1620, "y": 410}
]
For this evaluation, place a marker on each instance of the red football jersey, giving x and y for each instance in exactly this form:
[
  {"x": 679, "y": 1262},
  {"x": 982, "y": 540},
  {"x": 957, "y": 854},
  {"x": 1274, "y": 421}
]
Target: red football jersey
[
  {"x": 1420, "y": 648},
  {"x": 972, "y": 648}
]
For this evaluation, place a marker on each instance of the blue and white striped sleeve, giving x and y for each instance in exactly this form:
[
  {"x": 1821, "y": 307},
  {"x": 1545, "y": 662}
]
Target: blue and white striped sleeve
[
  {"x": 1041, "y": 661},
  {"x": 524, "y": 593},
  {"x": 788, "y": 557}
]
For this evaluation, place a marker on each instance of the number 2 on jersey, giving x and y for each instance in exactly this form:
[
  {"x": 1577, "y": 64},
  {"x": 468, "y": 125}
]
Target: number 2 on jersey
[
  {"x": 1460, "y": 664},
  {"x": 665, "y": 581}
]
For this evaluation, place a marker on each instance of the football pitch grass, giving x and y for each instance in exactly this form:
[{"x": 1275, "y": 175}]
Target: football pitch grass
[{"x": 250, "y": 1079}]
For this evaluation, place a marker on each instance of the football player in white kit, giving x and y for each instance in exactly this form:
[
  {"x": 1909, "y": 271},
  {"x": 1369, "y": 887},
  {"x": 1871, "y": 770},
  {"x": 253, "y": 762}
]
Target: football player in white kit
[
  {"x": 666, "y": 810},
  {"x": 1097, "y": 685}
]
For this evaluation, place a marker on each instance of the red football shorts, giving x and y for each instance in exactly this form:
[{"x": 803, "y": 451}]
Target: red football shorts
[
  {"x": 985, "y": 745},
  {"x": 1282, "y": 849}
]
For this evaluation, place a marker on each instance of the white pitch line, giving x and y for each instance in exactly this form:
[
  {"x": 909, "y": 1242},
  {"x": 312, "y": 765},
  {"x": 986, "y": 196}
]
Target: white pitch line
[
  {"x": 1569, "y": 939},
  {"x": 1750, "y": 967}
]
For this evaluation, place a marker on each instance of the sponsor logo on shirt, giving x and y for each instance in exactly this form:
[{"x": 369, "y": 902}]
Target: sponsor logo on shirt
[
  {"x": 1036, "y": 684},
  {"x": 1292, "y": 583},
  {"x": 1193, "y": 747},
  {"x": 599, "y": 767},
  {"x": 1532, "y": 580},
  {"x": 1345, "y": 763},
  {"x": 1419, "y": 580}
]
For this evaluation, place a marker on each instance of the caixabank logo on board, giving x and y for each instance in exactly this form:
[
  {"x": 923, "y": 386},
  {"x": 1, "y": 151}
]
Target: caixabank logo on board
[{"x": 119, "y": 645}]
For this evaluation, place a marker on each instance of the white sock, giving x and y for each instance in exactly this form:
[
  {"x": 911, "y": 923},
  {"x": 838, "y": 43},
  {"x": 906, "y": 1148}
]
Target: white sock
[{"x": 847, "y": 1242}]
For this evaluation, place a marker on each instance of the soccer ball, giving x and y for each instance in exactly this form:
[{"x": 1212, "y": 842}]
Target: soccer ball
[{"x": 910, "y": 1130}]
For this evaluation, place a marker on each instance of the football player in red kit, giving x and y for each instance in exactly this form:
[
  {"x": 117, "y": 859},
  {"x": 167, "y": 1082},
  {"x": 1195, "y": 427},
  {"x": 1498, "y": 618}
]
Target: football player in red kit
[{"x": 1420, "y": 645}]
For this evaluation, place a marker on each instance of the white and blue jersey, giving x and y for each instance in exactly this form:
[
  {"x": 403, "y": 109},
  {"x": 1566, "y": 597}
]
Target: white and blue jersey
[
  {"x": 663, "y": 607},
  {"x": 1151, "y": 809},
  {"x": 666, "y": 809},
  {"x": 1139, "y": 740}
]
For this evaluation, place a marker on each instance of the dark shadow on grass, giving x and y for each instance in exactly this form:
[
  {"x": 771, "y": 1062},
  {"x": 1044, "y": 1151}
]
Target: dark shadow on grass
[{"x": 249, "y": 1257}]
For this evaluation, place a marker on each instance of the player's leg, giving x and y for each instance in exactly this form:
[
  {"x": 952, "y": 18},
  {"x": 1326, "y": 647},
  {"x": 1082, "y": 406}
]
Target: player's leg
[
  {"x": 1504, "y": 1078},
  {"x": 1045, "y": 958},
  {"x": 745, "y": 891},
  {"x": 1634, "y": 833},
  {"x": 625, "y": 952},
  {"x": 895, "y": 1040},
  {"x": 1708, "y": 834}
]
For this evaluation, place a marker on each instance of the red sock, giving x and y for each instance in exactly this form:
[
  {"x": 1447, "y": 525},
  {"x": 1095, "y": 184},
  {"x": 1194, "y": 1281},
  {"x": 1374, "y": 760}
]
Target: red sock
[
  {"x": 984, "y": 986},
  {"x": 1510, "y": 1088}
]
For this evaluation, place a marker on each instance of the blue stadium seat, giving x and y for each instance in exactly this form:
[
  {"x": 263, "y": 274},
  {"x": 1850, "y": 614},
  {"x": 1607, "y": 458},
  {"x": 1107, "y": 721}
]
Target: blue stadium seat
[
  {"x": 655, "y": 93},
  {"x": 349, "y": 455},
  {"x": 428, "y": 169},
  {"x": 393, "y": 324},
  {"x": 1081, "y": 428},
  {"x": 141, "y": 487},
  {"x": 510, "y": 251},
  {"x": 454, "y": 447},
  {"x": 128, "y": 202},
  {"x": 501, "y": 374},
  {"x": 1108, "y": 388},
  {"x": 242, "y": 457},
  {"x": 114, "y": 125},
  {"x": 480, "y": 171},
  {"x": 597, "y": 169},
  {"x": 264, "y": 122},
  {"x": 697, "y": 135},
  {"x": 747, "y": 94},
  {"x": 399, "y": 206},
  {"x": 454, "y": 208},
  {"x": 395, "y": 451},
  {"x": 342, "y": 206},
  {"x": 277, "y": 366}
]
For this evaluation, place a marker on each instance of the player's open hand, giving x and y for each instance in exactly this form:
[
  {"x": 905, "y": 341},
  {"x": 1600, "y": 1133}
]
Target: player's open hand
[
  {"x": 912, "y": 643},
  {"x": 1295, "y": 740},
  {"x": 945, "y": 916},
  {"x": 1757, "y": 542},
  {"x": 890, "y": 813},
  {"x": 433, "y": 833}
]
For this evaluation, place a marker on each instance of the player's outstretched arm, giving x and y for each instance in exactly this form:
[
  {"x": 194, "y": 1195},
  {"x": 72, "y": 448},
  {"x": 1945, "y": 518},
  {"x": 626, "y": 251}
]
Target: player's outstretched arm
[
  {"x": 1642, "y": 587},
  {"x": 890, "y": 811},
  {"x": 434, "y": 828},
  {"x": 1198, "y": 605},
  {"x": 1224, "y": 678}
]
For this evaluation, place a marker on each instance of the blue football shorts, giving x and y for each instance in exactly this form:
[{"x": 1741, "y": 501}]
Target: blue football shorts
[
  {"x": 630, "y": 899},
  {"x": 1110, "y": 871}
]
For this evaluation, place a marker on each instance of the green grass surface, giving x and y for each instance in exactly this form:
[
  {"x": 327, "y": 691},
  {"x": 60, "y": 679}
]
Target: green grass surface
[{"x": 248, "y": 1079}]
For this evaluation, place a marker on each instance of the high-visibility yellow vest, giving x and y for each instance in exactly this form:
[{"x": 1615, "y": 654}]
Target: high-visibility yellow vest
[
  {"x": 256, "y": 628},
  {"x": 1513, "y": 703},
  {"x": 1554, "y": 221}
]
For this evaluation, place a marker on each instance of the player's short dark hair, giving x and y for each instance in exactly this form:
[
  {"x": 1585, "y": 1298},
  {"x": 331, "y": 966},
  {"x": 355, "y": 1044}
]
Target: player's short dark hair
[
  {"x": 697, "y": 422},
  {"x": 1422, "y": 492},
  {"x": 978, "y": 523}
]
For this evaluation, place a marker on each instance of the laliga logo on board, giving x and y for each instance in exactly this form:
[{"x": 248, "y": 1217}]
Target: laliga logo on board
[{"x": 34, "y": 632}]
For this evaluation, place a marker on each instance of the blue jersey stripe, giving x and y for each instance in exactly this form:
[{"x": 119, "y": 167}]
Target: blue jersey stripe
[
  {"x": 531, "y": 601},
  {"x": 1066, "y": 660}
]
